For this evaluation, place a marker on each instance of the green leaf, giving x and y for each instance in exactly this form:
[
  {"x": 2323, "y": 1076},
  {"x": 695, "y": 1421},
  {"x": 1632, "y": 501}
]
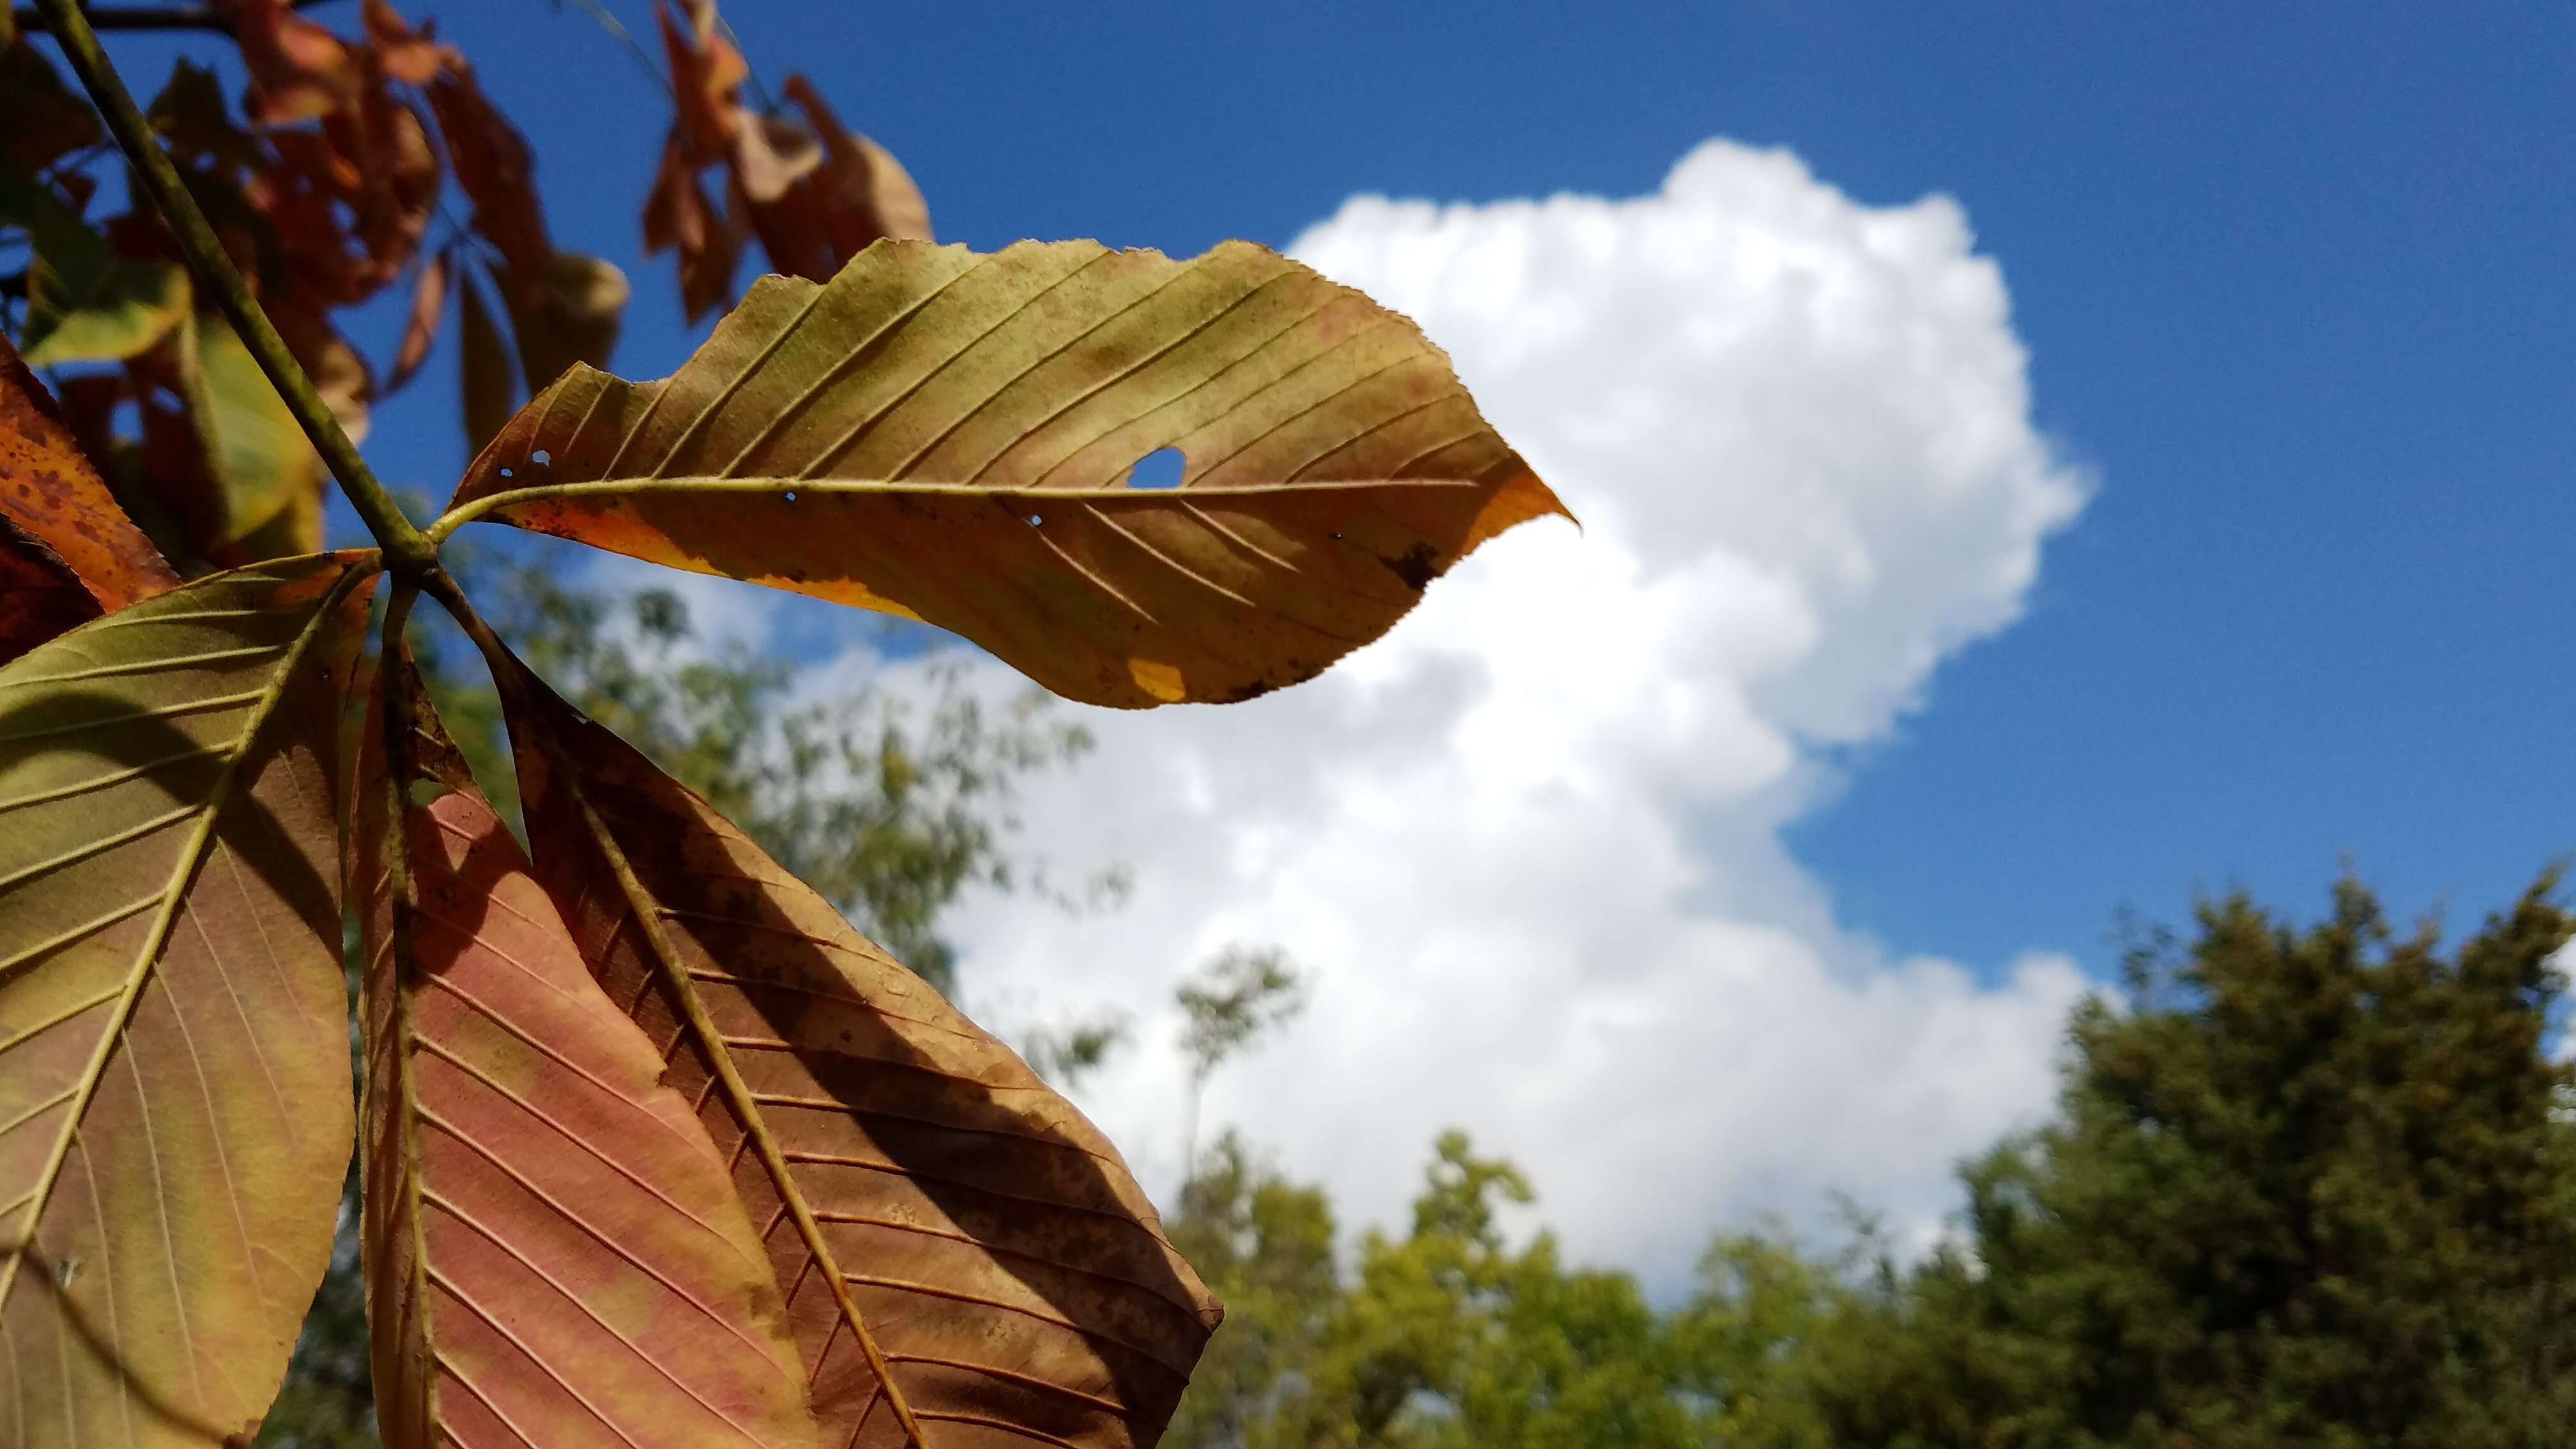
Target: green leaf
[
  {"x": 949, "y": 437},
  {"x": 174, "y": 1090},
  {"x": 85, "y": 303},
  {"x": 264, "y": 468}
]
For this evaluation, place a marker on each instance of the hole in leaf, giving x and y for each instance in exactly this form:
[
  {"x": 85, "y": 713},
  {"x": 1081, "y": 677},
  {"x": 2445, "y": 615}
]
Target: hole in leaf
[
  {"x": 506, "y": 473},
  {"x": 541, "y": 456},
  {"x": 1036, "y": 519},
  {"x": 1160, "y": 468},
  {"x": 425, "y": 793},
  {"x": 791, "y": 495}
]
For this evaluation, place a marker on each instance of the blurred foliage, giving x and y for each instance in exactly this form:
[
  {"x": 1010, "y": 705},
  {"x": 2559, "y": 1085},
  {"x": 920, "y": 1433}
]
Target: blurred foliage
[{"x": 2303, "y": 1187}]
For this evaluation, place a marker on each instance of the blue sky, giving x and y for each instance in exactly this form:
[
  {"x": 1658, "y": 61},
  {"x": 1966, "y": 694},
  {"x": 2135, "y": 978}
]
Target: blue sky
[
  {"x": 2293, "y": 284},
  {"x": 2296, "y": 282}
]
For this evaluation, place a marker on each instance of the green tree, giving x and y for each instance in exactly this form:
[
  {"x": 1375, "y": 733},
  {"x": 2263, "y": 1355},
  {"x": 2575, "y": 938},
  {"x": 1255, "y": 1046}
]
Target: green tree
[{"x": 2304, "y": 1187}]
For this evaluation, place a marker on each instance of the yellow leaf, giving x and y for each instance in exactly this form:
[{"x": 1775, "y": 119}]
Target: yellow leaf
[
  {"x": 174, "y": 1088},
  {"x": 949, "y": 436}
]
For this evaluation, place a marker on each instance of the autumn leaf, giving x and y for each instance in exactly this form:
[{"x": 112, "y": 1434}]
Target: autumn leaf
[
  {"x": 574, "y": 318},
  {"x": 428, "y": 304},
  {"x": 867, "y": 192},
  {"x": 949, "y": 436},
  {"x": 961, "y": 1250},
  {"x": 51, "y": 491},
  {"x": 174, "y": 1072},
  {"x": 407, "y": 54},
  {"x": 40, "y": 596},
  {"x": 85, "y": 302},
  {"x": 298, "y": 70},
  {"x": 678, "y": 214},
  {"x": 555, "y": 1253},
  {"x": 495, "y": 171}
]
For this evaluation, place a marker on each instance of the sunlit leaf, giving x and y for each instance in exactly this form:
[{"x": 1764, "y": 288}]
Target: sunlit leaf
[
  {"x": 84, "y": 301},
  {"x": 259, "y": 461},
  {"x": 50, "y": 489},
  {"x": 949, "y": 436},
  {"x": 174, "y": 1073},
  {"x": 573, "y": 319},
  {"x": 962, "y": 1252},
  {"x": 554, "y": 1253}
]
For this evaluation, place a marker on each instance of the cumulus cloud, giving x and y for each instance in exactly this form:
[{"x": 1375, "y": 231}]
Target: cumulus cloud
[{"x": 1529, "y": 843}]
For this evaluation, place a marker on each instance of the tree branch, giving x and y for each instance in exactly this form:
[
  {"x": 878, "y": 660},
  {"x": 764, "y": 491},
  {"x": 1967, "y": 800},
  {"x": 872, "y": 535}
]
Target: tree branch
[
  {"x": 146, "y": 17},
  {"x": 408, "y": 553}
]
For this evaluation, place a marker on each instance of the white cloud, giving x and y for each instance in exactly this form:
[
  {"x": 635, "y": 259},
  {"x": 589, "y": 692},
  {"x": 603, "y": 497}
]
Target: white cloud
[{"x": 1529, "y": 842}]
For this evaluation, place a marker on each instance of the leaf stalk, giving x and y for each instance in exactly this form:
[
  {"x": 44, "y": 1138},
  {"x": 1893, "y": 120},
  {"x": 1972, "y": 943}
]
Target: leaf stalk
[{"x": 408, "y": 552}]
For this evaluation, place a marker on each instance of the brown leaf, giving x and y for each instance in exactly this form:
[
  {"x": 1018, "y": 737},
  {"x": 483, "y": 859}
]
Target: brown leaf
[
  {"x": 428, "y": 304},
  {"x": 574, "y": 319},
  {"x": 966, "y": 1258},
  {"x": 40, "y": 596},
  {"x": 487, "y": 377},
  {"x": 50, "y": 489},
  {"x": 553, "y": 1248},
  {"x": 41, "y": 119},
  {"x": 870, "y": 194},
  {"x": 706, "y": 77},
  {"x": 408, "y": 55},
  {"x": 494, "y": 169},
  {"x": 298, "y": 70},
  {"x": 388, "y": 142},
  {"x": 949, "y": 436},
  {"x": 177, "y": 1079},
  {"x": 770, "y": 154},
  {"x": 677, "y": 214}
]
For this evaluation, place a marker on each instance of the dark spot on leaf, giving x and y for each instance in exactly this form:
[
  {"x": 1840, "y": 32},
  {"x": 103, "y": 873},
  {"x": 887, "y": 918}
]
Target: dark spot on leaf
[
  {"x": 1418, "y": 566},
  {"x": 1254, "y": 690}
]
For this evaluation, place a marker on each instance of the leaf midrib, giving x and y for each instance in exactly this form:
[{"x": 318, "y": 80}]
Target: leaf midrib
[{"x": 469, "y": 511}]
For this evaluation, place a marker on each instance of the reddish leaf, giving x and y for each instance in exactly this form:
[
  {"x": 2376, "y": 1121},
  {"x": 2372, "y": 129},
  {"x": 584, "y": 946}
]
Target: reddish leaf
[
  {"x": 495, "y": 170},
  {"x": 40, "y": 596},
  {"x": 967, "y": 1261},
  {"x": 869, "y": 193},
  {"x": 554, "y": 1253},
  {"x": 408, "y": 55},
  {"x": 428, "y": 304},
  {"x": 298, "y": 70},
  {"x": 678, "y": 214},
  {"x": 50, "y": 489},
  {"x": 706, "y": 75}
]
